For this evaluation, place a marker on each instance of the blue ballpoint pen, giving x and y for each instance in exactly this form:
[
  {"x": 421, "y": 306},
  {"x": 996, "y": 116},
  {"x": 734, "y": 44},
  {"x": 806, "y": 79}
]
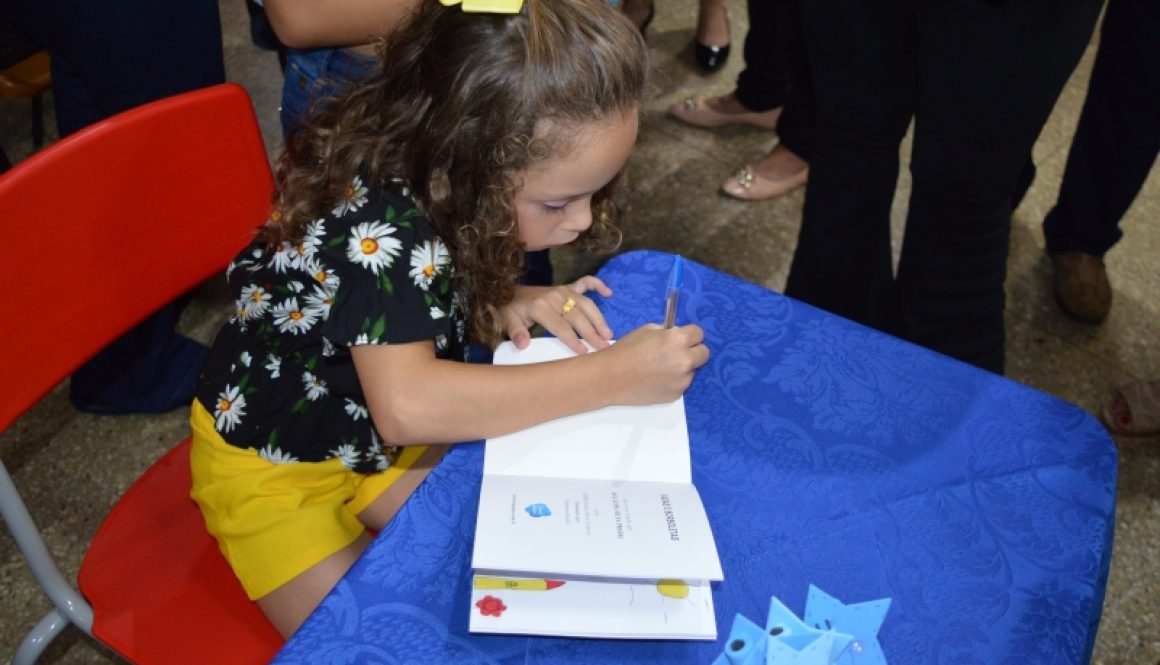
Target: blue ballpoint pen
[{"x": 673, "y": 290}]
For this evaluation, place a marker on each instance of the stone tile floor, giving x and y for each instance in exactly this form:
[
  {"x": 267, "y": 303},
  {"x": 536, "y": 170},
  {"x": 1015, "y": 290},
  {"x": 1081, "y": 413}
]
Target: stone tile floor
[{"x": 73, "y": 466}]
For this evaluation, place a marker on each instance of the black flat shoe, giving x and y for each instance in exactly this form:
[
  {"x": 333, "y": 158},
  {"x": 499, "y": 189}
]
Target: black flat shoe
[{"x": 710, "y": 58}]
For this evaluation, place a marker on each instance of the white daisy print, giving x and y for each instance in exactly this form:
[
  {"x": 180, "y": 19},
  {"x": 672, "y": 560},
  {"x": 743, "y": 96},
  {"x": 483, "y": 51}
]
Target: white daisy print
[
  {"x": 308, "y": 246},
  {"x": 284, "y": 258},
  {"x": 230, "y": 407},
  {"x": 315, "y": 387},
  {"x": 291, "y": 318},
  {"x": 273, "y": 365},
  {"x": 294, "y": 286},
  {"x": 372, "y": 247},
  {"x": 376, "y": 453},
  {"x": 428, "y": 260},
  {"x": 312, "y": 239},
  {"x": 319, "y": 301},
  {"x": 361, "y": 339},
  {"x": 274, "y": 455},
  {"x": 352, "y": 199},
  {"x": 244, "y": 263},
  {"x": 347, "y": 453},
  {"x": 381, "y": 462},
  {"x": 327, "y": 347},
  {"x": 355, "y": 410},
  {"x": 254, "y": 301},
  {"x": 245, "y": 358},
  {"x": 437, "y": 313},
  {"x": 321, "y": 273}
]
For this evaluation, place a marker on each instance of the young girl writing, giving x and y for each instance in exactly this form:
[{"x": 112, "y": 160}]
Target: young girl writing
[{"x": 402, "y": 216}]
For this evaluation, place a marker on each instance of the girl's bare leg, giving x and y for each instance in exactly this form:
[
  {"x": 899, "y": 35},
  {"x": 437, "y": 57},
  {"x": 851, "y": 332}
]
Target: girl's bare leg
[
  {"x": 288, "y": 606},
  {"x": 713, "y": 23}
]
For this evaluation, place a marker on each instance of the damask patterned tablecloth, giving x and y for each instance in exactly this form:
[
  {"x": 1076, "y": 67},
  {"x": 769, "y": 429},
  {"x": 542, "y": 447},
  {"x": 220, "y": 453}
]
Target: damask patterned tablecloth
[{"x": 826, "y": 453}]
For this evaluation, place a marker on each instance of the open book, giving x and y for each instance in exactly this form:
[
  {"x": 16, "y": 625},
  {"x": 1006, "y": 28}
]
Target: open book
[{"x": 590, "y": 525}]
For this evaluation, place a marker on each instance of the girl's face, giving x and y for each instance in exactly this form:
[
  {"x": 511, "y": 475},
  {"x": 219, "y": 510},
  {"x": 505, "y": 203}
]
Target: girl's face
[{"x": 554, "y": 203}]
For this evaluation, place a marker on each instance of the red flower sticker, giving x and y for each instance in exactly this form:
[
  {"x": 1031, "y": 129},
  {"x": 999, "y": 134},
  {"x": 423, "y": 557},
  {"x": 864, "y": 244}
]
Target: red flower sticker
[{"x": 490, "y": 606}]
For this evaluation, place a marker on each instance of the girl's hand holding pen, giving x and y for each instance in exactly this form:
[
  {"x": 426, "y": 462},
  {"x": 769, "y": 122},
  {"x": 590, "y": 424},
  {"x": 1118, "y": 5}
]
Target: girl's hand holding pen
[
  {"x": 654, "y": 364},
  {"x": 563, "y": 311}
]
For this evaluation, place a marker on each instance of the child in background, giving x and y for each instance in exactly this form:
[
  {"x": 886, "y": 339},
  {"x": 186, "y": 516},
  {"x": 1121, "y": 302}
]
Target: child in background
[{"x": 402, "y": 216}]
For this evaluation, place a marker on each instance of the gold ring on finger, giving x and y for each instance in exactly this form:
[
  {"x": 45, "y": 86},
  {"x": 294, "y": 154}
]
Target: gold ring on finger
[{"x": 567, "y": 306}]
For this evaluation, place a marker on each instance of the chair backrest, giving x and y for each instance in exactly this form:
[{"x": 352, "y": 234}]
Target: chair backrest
[
  {"x": 112, "y": 222},
  {"x": 101, "y": 229}
]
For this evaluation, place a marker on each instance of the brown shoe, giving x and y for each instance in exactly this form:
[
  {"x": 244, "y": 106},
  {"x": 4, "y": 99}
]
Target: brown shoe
[{"x": 1081, "y": 286}]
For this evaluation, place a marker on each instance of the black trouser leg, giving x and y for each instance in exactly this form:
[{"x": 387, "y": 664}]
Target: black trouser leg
[
  {"x": 1118, "y": 135},
  {"x": 988, "y": 79},
  {"x": 774, "y": 54},
  {"x": 795, "y": 126},
  {"x": 858, "y": 56}
]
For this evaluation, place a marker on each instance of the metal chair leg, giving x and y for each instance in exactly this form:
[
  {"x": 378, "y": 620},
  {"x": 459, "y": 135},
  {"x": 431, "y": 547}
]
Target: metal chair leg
[
  {"x": 39, "y": 638},
  {"x": 67, "y": 600}
]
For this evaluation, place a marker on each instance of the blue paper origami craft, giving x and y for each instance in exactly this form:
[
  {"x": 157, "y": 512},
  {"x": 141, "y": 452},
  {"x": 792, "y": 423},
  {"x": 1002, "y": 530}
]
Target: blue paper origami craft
[
  {"x": 832, "y": 634},
  {"x": 790, "y": 640},
  {"x": 860, "y": 620}
]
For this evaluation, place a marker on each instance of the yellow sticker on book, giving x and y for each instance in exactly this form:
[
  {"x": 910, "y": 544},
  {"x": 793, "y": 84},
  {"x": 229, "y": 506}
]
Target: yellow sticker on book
[{"x": 673, "y": 588}]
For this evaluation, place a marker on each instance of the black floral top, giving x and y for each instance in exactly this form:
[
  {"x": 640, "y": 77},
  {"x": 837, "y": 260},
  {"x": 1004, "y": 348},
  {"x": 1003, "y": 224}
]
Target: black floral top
[{"x": 279, "y": 377}]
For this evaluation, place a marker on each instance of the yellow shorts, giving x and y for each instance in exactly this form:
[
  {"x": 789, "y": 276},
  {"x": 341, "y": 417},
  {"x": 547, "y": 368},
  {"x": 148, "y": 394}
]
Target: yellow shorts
[{"x": 275, "y": 521}]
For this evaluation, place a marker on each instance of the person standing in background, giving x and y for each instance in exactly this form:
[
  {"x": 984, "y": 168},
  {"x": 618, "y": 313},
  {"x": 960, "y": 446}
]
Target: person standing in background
[{"x": 979, "y": 78}]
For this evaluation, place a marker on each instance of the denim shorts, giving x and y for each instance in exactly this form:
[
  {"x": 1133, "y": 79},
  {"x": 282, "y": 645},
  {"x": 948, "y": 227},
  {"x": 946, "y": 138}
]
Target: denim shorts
[{"x": 318, "y": 74}]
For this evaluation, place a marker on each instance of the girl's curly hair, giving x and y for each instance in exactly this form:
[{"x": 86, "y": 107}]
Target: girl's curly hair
[{"x": 454, "y": 112}]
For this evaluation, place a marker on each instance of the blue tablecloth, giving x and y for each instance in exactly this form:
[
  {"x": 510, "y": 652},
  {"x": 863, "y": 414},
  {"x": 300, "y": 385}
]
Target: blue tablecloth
[{"x": 825, "y": 453}]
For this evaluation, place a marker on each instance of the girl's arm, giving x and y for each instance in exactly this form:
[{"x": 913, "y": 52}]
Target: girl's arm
[
  {"x": 416, "y": 398},
  {"x": 317, "y": 23}
]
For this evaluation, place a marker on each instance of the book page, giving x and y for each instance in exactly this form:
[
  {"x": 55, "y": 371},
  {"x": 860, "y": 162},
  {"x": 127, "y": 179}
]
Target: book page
[
  {"x": 648, "y": 443},
  {"x": 648, "y": 609},
  {"x": 570, "y": 527}
]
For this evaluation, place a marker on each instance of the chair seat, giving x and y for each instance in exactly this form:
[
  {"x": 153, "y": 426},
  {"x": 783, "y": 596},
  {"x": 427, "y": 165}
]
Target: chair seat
[
  {"x": 160, "y": 589},
  {"x": 28, "y": 78}
]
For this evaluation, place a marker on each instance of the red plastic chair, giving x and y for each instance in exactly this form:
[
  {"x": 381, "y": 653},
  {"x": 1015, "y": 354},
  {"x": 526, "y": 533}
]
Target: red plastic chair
[{"x": 108, "y": 225}]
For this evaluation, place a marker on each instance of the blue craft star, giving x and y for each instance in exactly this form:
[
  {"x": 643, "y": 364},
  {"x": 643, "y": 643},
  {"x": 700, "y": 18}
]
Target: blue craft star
[
  {"x": 862, "y": 620},
  {"x": 790, "y": 640}
]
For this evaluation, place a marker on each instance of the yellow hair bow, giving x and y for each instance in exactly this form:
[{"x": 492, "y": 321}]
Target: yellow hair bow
[{"x": 487, "y": 6}]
